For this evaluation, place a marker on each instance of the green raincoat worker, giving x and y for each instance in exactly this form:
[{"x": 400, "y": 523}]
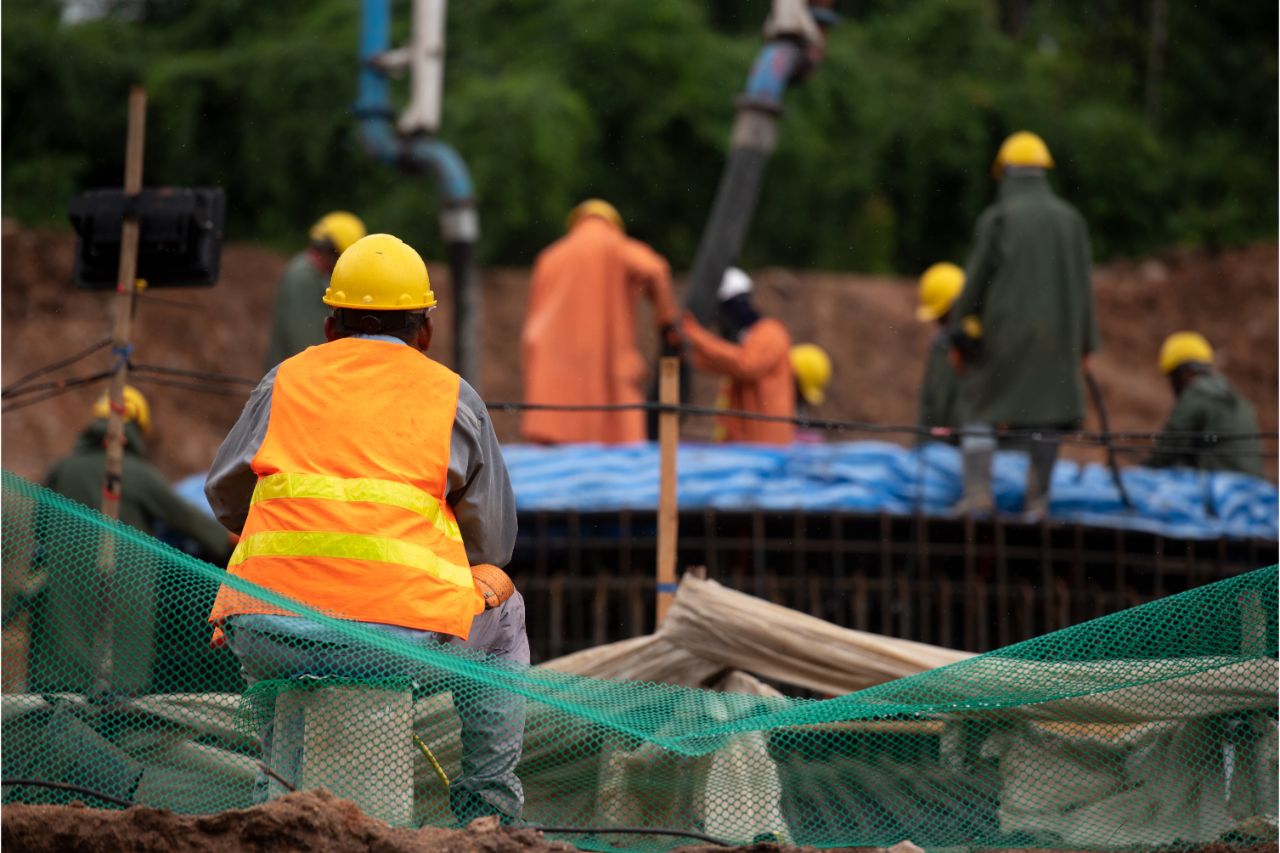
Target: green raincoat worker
[
  {"x": 299, "y": 311},
  {"x": 1025, "y": 325}
]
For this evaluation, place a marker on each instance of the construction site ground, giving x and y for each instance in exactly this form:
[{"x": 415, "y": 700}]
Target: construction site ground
[
  {"x": 317, "y": 821},
  {"x": 866, "y": 323}
]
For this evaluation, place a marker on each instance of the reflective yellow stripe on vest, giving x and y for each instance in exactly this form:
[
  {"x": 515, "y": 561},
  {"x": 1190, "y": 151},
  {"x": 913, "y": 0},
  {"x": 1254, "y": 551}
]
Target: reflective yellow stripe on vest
[
  {"x": 365, "y": 490},
  {"x": 350, "y": 546}
]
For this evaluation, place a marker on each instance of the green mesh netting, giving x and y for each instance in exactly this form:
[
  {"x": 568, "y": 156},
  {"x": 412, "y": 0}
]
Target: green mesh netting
[{"x": 1155, "y": 726}]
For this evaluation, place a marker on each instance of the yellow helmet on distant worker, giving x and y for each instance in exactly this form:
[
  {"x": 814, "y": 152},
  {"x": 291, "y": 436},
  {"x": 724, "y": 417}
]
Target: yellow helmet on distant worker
[
  {"x": 135, "y": 408},
  {"x": 812, "y": 368},
  {"x": 596, "y": 207},
  {"x": 940, "y": 287},
  {"x": 1184, "y": 348},
  {"x": 380, "y": 273},
  {"x": 340, "y": 228},
  {"x": 1023, "y": 148}
]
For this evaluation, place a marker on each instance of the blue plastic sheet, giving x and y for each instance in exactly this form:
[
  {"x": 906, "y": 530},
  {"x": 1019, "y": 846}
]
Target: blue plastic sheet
[{"x": 870, "y": 476}]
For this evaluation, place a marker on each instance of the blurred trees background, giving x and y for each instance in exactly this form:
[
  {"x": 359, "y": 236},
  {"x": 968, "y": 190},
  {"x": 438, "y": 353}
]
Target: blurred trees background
[{"x": 1161, "y": 114}]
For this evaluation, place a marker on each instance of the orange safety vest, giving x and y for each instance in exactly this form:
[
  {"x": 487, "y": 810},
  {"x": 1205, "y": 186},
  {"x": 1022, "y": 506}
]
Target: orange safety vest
[{"x": 349, "y": 513}]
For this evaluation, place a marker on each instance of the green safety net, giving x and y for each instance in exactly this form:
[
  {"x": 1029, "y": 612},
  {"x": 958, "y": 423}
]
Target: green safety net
[{"x": 1156, "y": 726}]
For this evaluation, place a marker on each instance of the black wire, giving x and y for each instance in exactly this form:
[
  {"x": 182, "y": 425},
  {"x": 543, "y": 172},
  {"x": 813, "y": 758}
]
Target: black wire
[
  {"x": 186, "y": 386},
  {"x": 65, "y": 786},
  {"x": 57, "y": 384},
  {"x": 625, "y": 830},
  {"x": 559, "y": 830},
  {"x": 193, "y": 374},
  {"x": 1075, "y": 436},
  {"x": 57, "y": 365},
  {"x": 70, "y": 385}
]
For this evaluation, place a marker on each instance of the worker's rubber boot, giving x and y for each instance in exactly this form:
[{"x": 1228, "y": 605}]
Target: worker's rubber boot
[
  {"x": 978, "y": 448},
  {"x": 1042, "y": 455}
]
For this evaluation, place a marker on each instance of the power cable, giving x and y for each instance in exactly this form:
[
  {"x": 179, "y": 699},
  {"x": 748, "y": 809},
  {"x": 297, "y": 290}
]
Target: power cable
[
  {"x": 60, "y": 389},
  {"x": 554, "y": 830},
  {"x": 205, "y": 375},
  {"x": 186, "y": 386},
  {"x": 65, "y": 786},
  {"x": 57, "y": 365}
]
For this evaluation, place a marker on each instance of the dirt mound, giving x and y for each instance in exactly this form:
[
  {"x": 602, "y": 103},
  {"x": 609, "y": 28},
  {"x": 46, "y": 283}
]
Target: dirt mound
[
  {"x": 866, "y": 323},
  {"x": 313, "y": 820}
]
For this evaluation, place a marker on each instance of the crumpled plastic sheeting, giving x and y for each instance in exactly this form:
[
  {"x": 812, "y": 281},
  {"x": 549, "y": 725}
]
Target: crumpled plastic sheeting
[{"x": 873, "y": 476}]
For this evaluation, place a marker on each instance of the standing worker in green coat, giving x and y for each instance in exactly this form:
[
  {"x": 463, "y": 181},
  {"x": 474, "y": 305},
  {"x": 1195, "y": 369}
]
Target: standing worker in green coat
[
  {"x": 1206, "y": 408},
  {"x": 63, "y": 655},
  {"x": 299, "y": 312},
  {"x": 1026, "y": 325},
  {"x": 940, "y": 287}
]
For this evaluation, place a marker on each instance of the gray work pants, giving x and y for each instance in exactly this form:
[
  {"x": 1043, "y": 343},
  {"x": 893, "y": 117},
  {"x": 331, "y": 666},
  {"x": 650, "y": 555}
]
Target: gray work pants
[
  {"x": 492, "y": 721},
  {"x": 978, "y": 447}
]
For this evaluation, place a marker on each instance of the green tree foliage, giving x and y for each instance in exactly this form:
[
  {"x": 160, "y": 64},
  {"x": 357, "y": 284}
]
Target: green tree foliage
[{"x": 884, "y": 156}]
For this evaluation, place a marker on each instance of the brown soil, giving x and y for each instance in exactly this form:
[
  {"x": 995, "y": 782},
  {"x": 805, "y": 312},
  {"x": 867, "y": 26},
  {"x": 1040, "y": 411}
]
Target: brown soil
[
  {"x": 314, "y": 821},
  {"x": 866, "y": 323}
]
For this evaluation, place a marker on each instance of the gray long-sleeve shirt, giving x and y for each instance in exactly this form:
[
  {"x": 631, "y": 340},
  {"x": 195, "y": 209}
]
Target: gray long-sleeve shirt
[{"x": 479, "y": 488}]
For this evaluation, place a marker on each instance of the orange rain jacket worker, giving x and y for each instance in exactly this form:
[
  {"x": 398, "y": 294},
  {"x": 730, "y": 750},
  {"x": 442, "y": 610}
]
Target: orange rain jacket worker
[
  {"x": 366, "y": 482},
  {"x": 579, "y": 341},
  {"x": 758, "y": 366}
]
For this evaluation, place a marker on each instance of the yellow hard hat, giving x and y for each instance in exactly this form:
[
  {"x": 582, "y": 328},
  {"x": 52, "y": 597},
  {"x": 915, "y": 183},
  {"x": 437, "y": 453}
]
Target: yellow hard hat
[
  {"x": 940, "y": 287},
  {"x": 340, "y": 228},
  {"x": 1184, "y": 348},
  {"x": 1022, "y": 149},
  {"x": 596, "y": 207},
  {"x": 135, "y": 408},
  {"x": 812, "y": 367},
  {"x": 380, "y": 273}
]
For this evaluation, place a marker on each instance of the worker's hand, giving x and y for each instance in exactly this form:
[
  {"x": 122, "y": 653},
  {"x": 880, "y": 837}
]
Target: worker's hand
[
  {"x": 671, "y": 342},
  {"x": 493, "y": 584},
  {"x": 956, "y": 360}
]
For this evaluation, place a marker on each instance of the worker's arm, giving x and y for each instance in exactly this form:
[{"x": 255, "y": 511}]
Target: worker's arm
[
  {"x": 479, "y": 486},
  {"x": 979, "y": 271},
  {"x": 231, "y": 480},
  {"x": 765, "y": 344},
  {"x": 1188, "y": 416},
  {"x": 165, "y": 505},
  {"x": 650, "y": 272}
]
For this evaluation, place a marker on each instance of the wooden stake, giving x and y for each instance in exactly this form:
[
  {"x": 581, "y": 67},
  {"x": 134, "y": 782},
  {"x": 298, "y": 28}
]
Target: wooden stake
[
  {"x": 668, "y": 520},
  {"x": 126, "y": 292},
  {"x": 126, "y": 289}
]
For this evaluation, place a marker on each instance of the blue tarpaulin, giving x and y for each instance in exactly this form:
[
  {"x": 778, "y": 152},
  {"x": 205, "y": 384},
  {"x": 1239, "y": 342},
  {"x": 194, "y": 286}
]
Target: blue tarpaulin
[{"x": 870, "y": 476}]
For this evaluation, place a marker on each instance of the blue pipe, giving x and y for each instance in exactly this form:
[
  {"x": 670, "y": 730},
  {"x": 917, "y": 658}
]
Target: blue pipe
[
  {"x": 373, "y": 112},
  {"x": 774, "y": 67}
]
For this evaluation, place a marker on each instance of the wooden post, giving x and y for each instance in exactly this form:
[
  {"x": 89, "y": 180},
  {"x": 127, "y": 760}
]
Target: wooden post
[
  {"x": 668, "y": 521},
  {"x": 126, "y": 290}
]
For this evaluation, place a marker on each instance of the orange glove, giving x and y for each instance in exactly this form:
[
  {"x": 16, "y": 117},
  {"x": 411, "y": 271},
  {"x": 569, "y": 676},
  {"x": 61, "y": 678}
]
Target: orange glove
[{"x": 493, "y": 584}]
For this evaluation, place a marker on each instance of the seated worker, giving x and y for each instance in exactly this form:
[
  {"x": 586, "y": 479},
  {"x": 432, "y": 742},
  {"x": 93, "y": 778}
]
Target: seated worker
[
  {"x": 63, "y": 656},
  {"x": 1204, "y": 408},
  {"x": 367, "y": 483},
  {"x": 754, "y": 357},
  {"x": 812, "y": 368},
  {"x": 298, "y": 320},
  {"x": 940, "y": 287}
]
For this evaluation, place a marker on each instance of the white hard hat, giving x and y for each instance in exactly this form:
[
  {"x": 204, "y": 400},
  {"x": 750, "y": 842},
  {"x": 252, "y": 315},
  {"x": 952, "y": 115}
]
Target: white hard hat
[{"x": 734, "y": 283}]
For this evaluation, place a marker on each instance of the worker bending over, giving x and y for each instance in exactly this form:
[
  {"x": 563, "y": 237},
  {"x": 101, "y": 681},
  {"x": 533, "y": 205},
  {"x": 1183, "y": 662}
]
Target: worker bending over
[
  {"x": 298, "y": 321},
  {"x": 940, "y": 287},
  {"x": 63, "y": 655},
  {"x": 754, "y": 357},
  {"x": 368, "y": 483},
  {"x": 1023, "y": 326},
  {"x": 812, "y": 368},
  {"x": 1205, "y": 409},
  {"x": 578, "y": 346}
]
